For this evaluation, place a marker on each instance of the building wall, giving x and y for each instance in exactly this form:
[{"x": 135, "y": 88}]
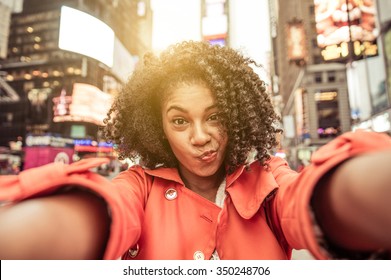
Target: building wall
[
  {"x": 35, "y": 62},
  {"x": 301, "y": 82},
  {"x": 312, "y": 87}
]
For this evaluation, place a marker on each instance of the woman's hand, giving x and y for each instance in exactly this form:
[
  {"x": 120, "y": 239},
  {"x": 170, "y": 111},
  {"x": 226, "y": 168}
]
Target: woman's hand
[
  {"x": 353, "y": 203},
  {"x": 70, "y": 225}
]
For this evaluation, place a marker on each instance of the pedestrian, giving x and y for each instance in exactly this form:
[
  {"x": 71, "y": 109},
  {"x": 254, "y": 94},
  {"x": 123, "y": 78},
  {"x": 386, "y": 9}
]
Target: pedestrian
[{"x": 201, "y": 125}]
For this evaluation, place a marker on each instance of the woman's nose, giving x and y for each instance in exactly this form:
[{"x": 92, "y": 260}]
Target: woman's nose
[{"x": 200, "y": 135}]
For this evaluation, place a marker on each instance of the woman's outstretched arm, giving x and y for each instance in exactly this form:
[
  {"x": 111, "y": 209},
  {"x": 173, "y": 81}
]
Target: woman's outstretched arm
[
  {"x": 70, "y": 225},
  {"x": 353, "y": 203}
]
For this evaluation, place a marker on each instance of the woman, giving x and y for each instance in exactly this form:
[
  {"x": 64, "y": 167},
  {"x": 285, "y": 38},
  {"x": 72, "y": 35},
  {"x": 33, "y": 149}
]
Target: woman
[{"x": 201, "y": 124}]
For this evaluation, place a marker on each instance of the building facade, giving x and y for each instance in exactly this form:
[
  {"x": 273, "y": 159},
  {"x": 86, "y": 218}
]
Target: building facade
[
  {"x": 314, "y": 82},
  {"x": 62, "y": 88}
]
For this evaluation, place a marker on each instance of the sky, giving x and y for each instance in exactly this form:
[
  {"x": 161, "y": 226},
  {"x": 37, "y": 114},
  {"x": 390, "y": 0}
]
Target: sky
[
  {"x": 174, "y": 21},
  {"x": 249, "y": 31}
]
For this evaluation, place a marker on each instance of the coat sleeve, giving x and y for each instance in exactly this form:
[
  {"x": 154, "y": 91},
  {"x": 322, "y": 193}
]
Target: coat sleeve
[
  {"x": 293, "y": 199},
  {"x": 124, "y": 204}
]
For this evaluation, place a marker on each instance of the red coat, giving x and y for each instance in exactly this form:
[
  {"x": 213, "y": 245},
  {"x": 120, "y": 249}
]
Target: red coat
[{"x": 155, "y": 217}]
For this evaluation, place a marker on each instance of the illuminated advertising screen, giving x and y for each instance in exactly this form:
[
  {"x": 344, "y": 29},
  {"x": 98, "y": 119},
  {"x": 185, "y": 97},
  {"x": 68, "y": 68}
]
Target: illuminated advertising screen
[
  {"x": 329, "y": 123},
  {"x": 86, "y": 103},
  {"x": 340, "y": 23},
  {"x": 297, "y": 50},
  {"x": 87, "y": 35}
]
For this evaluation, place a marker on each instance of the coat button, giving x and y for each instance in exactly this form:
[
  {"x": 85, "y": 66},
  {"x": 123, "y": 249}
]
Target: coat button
[
  {"x": 171, "y": 194},
  {"x": 133, "y": 252},
  {"x": 199, "y": 256}
]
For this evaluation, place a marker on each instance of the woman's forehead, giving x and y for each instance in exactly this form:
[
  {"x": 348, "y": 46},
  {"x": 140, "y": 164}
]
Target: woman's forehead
[
  {"x": 188, "y": 93},
  {"x": 184, "y": 87}
]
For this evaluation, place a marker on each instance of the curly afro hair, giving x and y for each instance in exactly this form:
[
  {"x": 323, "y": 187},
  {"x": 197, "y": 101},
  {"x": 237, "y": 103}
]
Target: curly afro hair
[{"x": 134, "y": 122}]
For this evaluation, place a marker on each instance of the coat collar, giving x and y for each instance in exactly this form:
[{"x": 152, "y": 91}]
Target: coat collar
[
  {"x": 250, "y": 188},
  {"x": 247, "y": 187}
]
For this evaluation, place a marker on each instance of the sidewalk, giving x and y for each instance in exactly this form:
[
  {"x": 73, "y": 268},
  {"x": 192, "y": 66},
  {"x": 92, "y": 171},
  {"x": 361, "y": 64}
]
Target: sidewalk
[{"x": 301, "y": 255}]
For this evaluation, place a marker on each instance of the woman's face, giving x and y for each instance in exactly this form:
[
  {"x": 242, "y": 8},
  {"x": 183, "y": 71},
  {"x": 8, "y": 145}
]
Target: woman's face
[{"x": 193, "y": 129}]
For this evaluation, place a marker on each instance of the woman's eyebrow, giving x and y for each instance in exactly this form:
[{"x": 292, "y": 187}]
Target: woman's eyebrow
[
  {"x": 213, "y": 106},
  {"x": 176, "y": 107}
]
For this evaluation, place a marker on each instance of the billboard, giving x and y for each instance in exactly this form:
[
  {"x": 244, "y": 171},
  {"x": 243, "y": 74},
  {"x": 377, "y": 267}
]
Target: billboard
[
  {"x": 38, "y": 156},
  {"x": 123, "y": 62},
  {"x": 296, "y": 38},
  {"x": 87, "y": 35},
  {"x": 86, "y": 103},
  {"x": 44, "y": 149},
  {"x": 346, "y": 29}
]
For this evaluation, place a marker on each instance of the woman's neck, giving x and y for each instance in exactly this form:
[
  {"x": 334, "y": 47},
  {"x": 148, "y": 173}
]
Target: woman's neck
[{"x": 204, "y": 186}]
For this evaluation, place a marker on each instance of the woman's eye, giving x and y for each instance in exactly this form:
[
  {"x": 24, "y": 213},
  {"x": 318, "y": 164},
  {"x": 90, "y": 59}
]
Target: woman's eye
[
  {"x": 214, "y": 117},
  {"x": 179, "y": 121}
]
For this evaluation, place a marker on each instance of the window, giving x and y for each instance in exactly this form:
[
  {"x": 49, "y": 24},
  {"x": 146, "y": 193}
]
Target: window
[
  {"x": 312, "y": 9},
  {"x": 331, "y": 76},
  {"x": 318, "y": 77}
]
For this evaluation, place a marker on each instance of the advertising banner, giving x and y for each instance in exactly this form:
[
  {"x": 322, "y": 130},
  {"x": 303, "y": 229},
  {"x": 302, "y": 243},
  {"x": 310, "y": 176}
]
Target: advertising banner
[
  {"x": 37, "y": 156},
  {"x": 347, "y": 29},
  {"x": 86, "y": 103},
  {"x": 297, "y": 49}
]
